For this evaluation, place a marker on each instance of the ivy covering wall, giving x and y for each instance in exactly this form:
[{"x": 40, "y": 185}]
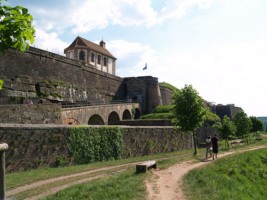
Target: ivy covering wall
[{"x": 91, "y": 144}]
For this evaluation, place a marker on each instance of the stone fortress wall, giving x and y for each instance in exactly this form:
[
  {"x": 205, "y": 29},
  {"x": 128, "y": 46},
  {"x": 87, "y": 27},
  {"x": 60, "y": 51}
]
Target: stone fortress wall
[
  {"x": 34, "y": 146},
  {"x": 41, "y": 75}
]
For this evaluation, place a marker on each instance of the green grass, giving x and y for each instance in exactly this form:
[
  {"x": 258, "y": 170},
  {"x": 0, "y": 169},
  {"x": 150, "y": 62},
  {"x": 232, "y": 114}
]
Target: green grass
[
  {"x": 16, "y": 179},
  {"x": 242, "y": 176},
  {"x": 160, "y": 112},
  {"x": 122, "y": 186},
  {"x": 157, "y": 116},
  {"x": 125, "y": 185},
  {"x": 163, "y": 161},
  {"x": 169, "y": 86}
]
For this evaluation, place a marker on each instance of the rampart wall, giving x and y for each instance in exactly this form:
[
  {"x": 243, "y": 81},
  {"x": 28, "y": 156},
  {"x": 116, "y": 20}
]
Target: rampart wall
[
  {"x": 44, "y": 76},
  {"x": 38, "y": 73},
  {"x": 33, "y": 146},
  {"x": 30, "y": 114}
]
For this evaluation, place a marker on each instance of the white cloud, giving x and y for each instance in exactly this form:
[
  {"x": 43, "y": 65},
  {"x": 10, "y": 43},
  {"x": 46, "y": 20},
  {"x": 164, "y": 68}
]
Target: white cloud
[
  {"x": 132, "y": 57},
  {"x": 221, "y": 73},
  {"x": 86, "y": 16},
  {"x": 49, "y": 41}
]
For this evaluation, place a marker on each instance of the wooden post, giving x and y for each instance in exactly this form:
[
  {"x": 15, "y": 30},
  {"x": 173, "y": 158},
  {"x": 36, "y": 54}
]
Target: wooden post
[{"x": 3, "y": 148}]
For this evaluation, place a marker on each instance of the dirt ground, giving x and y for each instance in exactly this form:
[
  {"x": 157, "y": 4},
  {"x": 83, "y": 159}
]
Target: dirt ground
[{"x": 166, "y": 184}]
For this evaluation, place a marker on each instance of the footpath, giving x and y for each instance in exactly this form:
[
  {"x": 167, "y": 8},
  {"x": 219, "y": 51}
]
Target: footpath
[
  {"x": 166, "y": 184},
  {"x": 161, "y": 185}
]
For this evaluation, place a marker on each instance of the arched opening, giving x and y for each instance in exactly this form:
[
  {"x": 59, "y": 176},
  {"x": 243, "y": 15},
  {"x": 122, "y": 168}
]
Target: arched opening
[
  {"x": 126, "y": 115},
  {"x": 113, "y": 118},
  {"x": 96, "y": 120},
  {"x": 137, "y": 113}
]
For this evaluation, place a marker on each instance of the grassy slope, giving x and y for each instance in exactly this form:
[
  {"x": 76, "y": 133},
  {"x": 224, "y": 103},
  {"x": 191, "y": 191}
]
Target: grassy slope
[
  {"x": 164, "y": 161},
  {"x": 242, "y": 176},
  {"x": 137, "y": 185}
]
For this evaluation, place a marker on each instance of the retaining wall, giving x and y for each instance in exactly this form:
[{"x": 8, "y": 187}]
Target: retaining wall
[{"x": 34, "y": 146}]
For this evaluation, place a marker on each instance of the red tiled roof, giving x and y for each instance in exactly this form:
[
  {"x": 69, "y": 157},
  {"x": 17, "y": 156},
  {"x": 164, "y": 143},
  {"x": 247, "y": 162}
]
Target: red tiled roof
[{"x": 81, "y": 42}]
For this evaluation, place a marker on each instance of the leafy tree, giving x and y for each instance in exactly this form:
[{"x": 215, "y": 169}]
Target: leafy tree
[
  {"x": 257, "y": 125},
  {"x": 211, "y": 118},
  {"x": 225, "y": 128},
  {"x": 188, "y": 110},
  {"x": 243, "y": 124},
  {"x": 1, "y": 84},
  {"x": 16, "y": 28}
]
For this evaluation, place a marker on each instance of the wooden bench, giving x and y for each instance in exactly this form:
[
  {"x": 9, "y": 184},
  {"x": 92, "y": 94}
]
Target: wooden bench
[{"x": 143, "y": 167}]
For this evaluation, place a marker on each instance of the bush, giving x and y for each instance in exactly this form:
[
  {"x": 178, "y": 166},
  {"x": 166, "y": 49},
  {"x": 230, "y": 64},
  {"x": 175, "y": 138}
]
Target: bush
[{"x": 91, "y": 144}]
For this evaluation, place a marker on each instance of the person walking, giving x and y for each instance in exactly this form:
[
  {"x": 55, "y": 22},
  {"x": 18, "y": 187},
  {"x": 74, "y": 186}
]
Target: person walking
[
  {"x": 215, "y": 146},
  {"x": 208, "y": 147}
]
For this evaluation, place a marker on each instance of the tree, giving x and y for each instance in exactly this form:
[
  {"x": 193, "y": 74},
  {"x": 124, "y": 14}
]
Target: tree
[
  {"x": 188, "y": 110},
  {"x": 226, "y": 128},
  {"x": 211, "y": 118},
  {"x": 243, "y": 124},
  {"x": 257, "y": 125},
  {"x": 1, "y": 83},
  {"x": 16, "y": 28}
]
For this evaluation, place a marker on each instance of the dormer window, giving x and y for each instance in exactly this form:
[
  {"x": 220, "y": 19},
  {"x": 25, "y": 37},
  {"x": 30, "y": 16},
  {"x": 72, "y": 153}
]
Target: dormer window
[
  {"x": 81, "y": 55},
  {"x": 99, "y": 59},
  {"x": 92, "y": 57}
]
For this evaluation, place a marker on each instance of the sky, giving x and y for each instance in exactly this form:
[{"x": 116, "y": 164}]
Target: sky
[{"x": 217, "y": 46}]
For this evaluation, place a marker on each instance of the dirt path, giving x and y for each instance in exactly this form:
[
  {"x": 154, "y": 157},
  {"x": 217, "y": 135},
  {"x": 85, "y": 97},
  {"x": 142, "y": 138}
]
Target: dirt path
[
  {"x": 81, "y": 178},
  {"x": 95, "y": 175},
  {"x": 166, "y": 184}
]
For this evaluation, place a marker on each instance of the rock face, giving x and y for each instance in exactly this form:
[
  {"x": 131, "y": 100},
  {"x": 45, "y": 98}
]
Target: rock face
[{"x": 43, "y": 76}]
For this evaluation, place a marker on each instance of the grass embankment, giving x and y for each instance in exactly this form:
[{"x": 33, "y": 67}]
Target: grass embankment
[
  {"x": 118, "y": 181},
  {"x": 240, "y": 176},
  {"x": 17, "y": 179},
  {"x": 124, "y": 185},
  {"x": 115, "y": 190},
  {"x": 118, "y": 174}
]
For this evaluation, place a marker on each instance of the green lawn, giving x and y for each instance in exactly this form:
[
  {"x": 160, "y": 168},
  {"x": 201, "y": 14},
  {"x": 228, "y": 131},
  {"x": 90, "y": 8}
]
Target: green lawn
[
  {"x": 242, "y": 176},
  {"x": 124, "y": 181}
]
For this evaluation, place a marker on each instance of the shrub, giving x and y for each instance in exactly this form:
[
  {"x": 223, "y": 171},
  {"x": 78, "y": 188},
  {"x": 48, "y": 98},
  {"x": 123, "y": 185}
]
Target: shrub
[{"x": 91, "y": 144}]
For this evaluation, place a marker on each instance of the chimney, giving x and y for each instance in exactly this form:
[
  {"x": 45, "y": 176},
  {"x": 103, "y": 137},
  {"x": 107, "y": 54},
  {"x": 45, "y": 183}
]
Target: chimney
[{"x": 103, "y": 44}]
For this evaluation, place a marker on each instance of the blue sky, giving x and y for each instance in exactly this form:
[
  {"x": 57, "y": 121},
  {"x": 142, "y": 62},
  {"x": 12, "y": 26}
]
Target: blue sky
[{"x": 218, "y": 46}]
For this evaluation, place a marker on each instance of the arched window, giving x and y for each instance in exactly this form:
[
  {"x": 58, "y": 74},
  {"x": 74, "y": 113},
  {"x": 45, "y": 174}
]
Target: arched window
[{"x": 81, "y": 55}]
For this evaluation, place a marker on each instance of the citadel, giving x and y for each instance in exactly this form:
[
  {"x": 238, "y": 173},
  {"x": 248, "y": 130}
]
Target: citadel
[
  {"x": 86, "y": 76},
  {"x": 45, "y": 94}
]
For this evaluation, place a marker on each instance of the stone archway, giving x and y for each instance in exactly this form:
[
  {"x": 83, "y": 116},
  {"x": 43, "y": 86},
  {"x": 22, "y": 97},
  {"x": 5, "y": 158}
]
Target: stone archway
[
  {"x": 137, "y": 113},
  {"x": 113, "y": 118},
  {"x": 126, "y": 115},
  {"x": 96, "y": 120}
]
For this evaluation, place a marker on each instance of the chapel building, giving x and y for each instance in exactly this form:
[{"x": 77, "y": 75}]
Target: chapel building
[{"x": 95, "y": 55}]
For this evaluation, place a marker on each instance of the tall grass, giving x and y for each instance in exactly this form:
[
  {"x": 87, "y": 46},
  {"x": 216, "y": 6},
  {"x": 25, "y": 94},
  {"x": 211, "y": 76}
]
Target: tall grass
[
  {"x": 127, "y": 185},
  {"x": 17, "y": 179},
  {"x": 241, "y": 176}
]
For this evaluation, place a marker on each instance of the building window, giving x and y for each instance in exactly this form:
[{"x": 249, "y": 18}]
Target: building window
[
  {"x": 99, "y": 59},
  {"x": 71, "y": 54},
  {"x": 105, "y": 61},
  {"x": 81, "y": 55},
  {"x": 92, "y": 57}
]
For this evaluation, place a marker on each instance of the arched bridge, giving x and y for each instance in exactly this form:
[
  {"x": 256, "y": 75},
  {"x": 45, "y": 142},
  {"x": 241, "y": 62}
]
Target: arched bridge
[{"x": 109, "y": 114}]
